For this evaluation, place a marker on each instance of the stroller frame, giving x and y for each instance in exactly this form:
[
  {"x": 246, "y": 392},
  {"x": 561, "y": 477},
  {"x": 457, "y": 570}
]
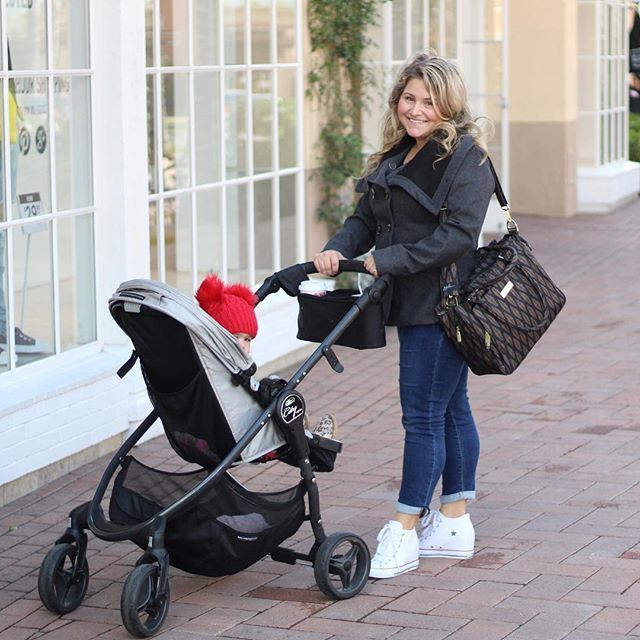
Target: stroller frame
[{"x": 64, "y": 573}]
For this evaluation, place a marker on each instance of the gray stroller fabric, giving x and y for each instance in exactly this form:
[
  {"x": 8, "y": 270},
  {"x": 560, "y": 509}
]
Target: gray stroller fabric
[{"x": 219, "y": 354}]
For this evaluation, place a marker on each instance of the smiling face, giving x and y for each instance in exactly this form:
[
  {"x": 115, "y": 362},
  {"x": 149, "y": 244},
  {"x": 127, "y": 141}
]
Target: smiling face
[{"x": 416, "y": 111}]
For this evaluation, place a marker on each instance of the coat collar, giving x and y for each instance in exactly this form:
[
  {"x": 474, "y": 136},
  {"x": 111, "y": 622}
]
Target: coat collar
[{"x": 388, "y": 173}]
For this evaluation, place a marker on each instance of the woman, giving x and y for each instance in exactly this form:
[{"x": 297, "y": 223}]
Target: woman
[{"x": 432, "y": 154}]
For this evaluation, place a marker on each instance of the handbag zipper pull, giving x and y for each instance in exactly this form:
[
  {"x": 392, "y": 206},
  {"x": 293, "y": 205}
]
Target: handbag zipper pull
[
  {"x": 458, "y": 334},
  {"x": 487, "y": 340}
]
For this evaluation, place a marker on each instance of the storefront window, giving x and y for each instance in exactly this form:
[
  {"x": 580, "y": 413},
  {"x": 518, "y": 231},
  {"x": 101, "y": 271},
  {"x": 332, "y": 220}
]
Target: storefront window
[
  {"x": 47, "y": 283},
  {"x": 223, "y": 134}
]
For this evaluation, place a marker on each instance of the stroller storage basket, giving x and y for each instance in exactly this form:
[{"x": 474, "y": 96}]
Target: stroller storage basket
[
  {"x": 318, "y": 316},
  {"x": 228, "y": 530}
]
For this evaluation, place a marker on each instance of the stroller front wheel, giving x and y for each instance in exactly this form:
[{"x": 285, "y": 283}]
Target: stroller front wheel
[
  {"x": 341, "y": 566},
  {"x": 142, "y": 606},
  {"x": 62, "y": 585}
]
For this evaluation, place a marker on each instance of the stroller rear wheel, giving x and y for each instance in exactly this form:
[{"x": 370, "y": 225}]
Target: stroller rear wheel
[
  {"x": 341, "y": 565},
  {"x": 142, "y": 606},
  {"x": 60, "y": 590}
]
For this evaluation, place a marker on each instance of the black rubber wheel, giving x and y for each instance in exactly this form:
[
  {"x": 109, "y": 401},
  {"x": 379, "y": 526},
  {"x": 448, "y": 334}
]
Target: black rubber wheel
[
  {"x": 59, "y": 591},
  {"x": 341, "y": 565},
  {"x": 143, "y": 610}
]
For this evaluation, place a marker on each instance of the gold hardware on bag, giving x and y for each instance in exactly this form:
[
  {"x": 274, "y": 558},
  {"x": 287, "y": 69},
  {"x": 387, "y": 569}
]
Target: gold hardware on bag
[
  {"x": 458, "y": 334},
  {"x": 487, "y": 340},
  {"x": 506, "y": 289}
]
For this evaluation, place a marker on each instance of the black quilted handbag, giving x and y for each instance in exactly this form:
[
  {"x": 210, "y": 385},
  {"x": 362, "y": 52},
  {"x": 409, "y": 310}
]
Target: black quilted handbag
[{"x": 497, "y": 316}]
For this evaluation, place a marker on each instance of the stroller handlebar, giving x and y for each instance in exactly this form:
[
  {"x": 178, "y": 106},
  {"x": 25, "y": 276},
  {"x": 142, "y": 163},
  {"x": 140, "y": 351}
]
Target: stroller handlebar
[{"x": 290, "y": 278}]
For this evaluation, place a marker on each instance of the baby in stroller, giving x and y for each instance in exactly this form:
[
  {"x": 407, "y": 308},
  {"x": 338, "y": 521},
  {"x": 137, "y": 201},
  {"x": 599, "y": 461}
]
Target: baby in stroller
[{"x": 232, "y": 307}]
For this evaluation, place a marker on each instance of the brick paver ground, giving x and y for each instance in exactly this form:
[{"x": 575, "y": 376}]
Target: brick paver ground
[{"x": 557, "y": 519}]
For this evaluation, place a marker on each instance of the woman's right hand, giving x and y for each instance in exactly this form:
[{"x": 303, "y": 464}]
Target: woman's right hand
[{"x": 326, "y": 262}]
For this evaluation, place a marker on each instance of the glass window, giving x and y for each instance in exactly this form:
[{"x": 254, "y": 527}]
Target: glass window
[
  {"x": 288, "y": 221},
  {"x": 237, "y": 234},
  {"x": 47, "y": 299},
  {"x": 260, "y": 31},
  {"x": 175, "y": 130},
  {"x": 76, "y": 281},
  {"x": 174, "y": 41},
  {"x": 222, "y": 129},
  {"x": 286, "y": 29},
  {"x": 262, "y": 121},
  {"x": 264, "y": 229},
  {"x": 73, "y": 141},
  {"x": 27, "y": 34},
  {"x": 235, "y": 101},
  {"x": 399, "y": 29},
  {"x": 33, "y": 288},
  {"x": 209, "y": 232},
  {"x": 208, "y": 141},
  {"x": 70, "y": 34},
  {"x": 205, "y": 34},
  {"x": 32, "y": 165},
  {"x": 234, "y": 22}
]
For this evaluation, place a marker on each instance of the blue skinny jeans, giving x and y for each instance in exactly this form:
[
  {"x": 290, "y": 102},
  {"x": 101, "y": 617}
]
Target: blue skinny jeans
[{"x": 441, "y": 439}]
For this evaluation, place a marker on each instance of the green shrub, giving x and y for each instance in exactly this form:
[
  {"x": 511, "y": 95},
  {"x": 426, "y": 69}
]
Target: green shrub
[{"x": 634, "y": 137}]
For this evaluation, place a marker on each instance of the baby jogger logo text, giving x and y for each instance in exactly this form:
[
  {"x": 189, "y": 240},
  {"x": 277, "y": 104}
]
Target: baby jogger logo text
[{"x": 291, "y": 409}]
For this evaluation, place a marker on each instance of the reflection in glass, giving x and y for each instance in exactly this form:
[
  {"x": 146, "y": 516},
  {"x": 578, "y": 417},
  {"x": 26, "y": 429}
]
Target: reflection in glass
[
  {"x": 174, "y": 33},
  {"x": 287, "y": 129},
  {"x": 206, "y": 106},
  {"x": 175, "y": 130},
  {"x": 4, "y": 300},
  {"x": 288, "y": 221},
  {"x": 209, "y": 236},
  {"x": 73, "y": 141},
  {"x": 27, "y": 34},
  {"x": 434, "y": 25},
  {"x": 286, "y": 26},
  {"x": 177, "y": 243},
  {"x": 235, "y": 102},
  {"x": 417, "y": 25},
  {"x": 234, "y": 21},
  {"x": 260, "y": 32},
  {"x": 148, "y": 28},
  {"x": 70, "y": 34},
  {"x": 262, "y": 121},
  {"x": 154, "y": 268},
  {"x": 76, "y": 281},
  {"x": 32, "y": 165},
  {"x": 399, "y": 31},
  {"x": 152, "y": 167},
  {"x": 33, "y": 291},
  {"x": 237, "y": 234},
  {"x": 263, "y": 229},
  {"x": 450, "y": 29},
  {"x": 205, "y": 32},
  {"x": 3, "y": 215}
]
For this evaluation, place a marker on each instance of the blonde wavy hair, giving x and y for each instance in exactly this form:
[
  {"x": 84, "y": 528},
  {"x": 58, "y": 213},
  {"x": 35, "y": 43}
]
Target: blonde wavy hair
[{"x": 446, "y": 87}]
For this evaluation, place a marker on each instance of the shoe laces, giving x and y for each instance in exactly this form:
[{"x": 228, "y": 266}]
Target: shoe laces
[
  {"x": 388, "y": 542},
  {"x": 429, "y": 524}
]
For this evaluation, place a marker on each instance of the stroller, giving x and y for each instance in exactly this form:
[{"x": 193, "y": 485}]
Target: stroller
[{"x": 204, "y": 521}]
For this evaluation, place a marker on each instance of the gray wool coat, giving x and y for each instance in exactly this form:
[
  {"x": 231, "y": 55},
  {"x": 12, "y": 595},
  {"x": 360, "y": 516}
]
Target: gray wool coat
[{"x": 398, "y": 213}]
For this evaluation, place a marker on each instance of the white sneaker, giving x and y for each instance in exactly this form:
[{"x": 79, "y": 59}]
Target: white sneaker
[
  {"x": 397, "y": 551},
  {"x": 442, "y": 537}
]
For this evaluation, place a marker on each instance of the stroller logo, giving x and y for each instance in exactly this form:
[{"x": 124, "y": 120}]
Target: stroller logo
[{"x": 292, "y": 408}]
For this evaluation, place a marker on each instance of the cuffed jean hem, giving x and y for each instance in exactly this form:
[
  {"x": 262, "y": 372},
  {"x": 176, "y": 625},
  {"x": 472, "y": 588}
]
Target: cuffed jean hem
[
  {"x": 409, "y": 510},
  {"x": 454, "y": 497}
]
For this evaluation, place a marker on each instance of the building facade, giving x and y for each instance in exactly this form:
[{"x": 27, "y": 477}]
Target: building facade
[{"x": 173, "y": 138}]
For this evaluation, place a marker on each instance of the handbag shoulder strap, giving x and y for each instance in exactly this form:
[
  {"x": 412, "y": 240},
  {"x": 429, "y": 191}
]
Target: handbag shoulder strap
[{"x": 449, "y": 284}]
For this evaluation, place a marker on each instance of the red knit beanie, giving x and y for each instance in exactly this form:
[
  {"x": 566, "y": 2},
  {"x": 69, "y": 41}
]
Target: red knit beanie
[{"x": 229, "y": 305}]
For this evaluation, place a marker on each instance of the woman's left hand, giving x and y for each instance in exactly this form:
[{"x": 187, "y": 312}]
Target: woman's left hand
[{"x": 370, "y": 266}]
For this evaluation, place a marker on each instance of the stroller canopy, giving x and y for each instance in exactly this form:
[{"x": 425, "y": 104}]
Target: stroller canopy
[{"x": 188, "y": 362}]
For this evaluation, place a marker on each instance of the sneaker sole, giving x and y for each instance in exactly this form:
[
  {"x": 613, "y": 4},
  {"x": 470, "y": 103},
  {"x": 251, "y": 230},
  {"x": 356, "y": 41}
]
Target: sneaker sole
[
  {"x": 446, "y": 553},
  {"x": 392, "y": 573}
]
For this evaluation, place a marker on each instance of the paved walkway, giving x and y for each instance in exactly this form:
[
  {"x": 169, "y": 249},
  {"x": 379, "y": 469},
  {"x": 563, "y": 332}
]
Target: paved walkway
[{"x": 558, "y": 514}]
